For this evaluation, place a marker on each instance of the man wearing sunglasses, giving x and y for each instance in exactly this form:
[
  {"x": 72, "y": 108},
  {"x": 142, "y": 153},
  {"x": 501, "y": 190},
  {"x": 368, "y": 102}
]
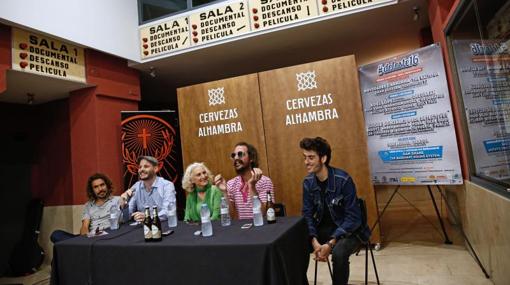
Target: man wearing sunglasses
[{"x": 249, "y": 182}]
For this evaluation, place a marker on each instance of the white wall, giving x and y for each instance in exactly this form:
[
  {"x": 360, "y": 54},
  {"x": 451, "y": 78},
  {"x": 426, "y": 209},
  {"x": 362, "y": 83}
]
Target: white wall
[{"x": 110, "y": 26}]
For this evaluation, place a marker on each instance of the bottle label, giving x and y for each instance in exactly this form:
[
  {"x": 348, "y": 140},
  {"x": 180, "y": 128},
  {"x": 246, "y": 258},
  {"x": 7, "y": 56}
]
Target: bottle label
[
  {"x": 270, "y": 214},
  {"x": 224, "y": 211},
  {"x": 171, "y": 212},
  {"x": 205, "y": 220},
  {"x": 147, "y": 232},
  {"x": 256, "y": 211},
  {"x": 156, "y": 233}
]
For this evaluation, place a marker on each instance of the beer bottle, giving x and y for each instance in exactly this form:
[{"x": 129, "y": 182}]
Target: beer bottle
[
  {"x": 147, "y": 225},
  {"x": 270, "y": 214},
  {"x": 156, "y": 225}
]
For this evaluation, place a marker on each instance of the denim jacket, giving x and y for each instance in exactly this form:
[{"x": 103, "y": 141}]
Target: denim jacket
[{"x": 341, "y": 201}]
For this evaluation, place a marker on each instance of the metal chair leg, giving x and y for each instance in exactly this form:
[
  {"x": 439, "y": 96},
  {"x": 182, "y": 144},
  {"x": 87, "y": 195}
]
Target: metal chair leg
[
  {"x": 315, "y": 275},
  {"x": 330, "y": 272},
  {"x": 366, "y": 263},
  {"x": 373, "y": 262}
]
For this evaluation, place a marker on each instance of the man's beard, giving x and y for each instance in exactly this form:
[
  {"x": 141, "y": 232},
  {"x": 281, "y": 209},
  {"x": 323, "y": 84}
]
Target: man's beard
[
  {"x": 243, "y": 169},
  {"x": 149, "y": 175},
  {"x": 102, "y": 195}
]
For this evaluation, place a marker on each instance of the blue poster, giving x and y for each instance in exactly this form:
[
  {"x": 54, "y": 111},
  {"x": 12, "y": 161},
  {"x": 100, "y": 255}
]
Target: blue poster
[{"x": 411, "y": 136}]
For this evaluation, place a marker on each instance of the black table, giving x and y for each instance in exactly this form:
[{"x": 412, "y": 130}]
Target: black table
[{"x": 271, "y": 254}]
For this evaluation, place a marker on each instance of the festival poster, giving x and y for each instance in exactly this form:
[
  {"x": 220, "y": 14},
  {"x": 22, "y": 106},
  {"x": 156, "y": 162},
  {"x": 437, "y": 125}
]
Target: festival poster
[
  {"x": 411, "y": 135},
  {"x": 483, "y": 68},
  {"x": 154, "y": 133}
]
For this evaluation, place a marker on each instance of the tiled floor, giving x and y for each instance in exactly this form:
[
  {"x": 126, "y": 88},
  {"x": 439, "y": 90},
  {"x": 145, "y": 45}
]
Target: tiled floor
[
  {"x": 414, "y": 253},
  {"x": 413, "y": 263}
]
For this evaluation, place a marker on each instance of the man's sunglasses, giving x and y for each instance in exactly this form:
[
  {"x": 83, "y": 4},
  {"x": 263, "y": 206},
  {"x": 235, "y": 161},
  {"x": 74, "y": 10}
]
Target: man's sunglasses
[{"x": 239, "y": 154}]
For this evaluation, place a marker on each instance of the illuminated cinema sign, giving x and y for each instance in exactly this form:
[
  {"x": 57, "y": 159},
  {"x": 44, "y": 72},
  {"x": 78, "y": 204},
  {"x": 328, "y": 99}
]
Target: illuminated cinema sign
[
  {"x": 230, "y": 19},
  {"x": 42, "y": 55}
]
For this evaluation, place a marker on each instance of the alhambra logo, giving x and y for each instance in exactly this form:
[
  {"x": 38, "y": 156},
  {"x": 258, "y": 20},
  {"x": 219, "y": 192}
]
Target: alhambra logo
[
  {"x": 216, "y": 96},
  {"x": 306, "y": 80}
]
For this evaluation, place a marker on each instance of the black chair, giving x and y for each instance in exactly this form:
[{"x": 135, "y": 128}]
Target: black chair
[
  {"x": 366, "y": 244},
  {"x": 315, "y": 274},
  {"x": 279, "y": 210}
]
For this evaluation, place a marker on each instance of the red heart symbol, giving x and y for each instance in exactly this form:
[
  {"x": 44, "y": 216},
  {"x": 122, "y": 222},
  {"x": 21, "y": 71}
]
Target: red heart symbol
[
  {"x": 23, "y": 64},
  {"x": 324, "y": 9},
  {"x": 256, "y": 18},
  {"x": 256, "y": 25},
  {"x": 254, "y": 10},
  {"x": 144, "y": 40},
  {"x": 195, "y": 33},
  {"x": 23, "y": 45},
  {"x": 194, "y": 26},
  {"x": 195, "y": 39},
  {"x": 23, "y": 55},
  {"x": 145, "y": 46},
  {"x": 146, "y": 52}
]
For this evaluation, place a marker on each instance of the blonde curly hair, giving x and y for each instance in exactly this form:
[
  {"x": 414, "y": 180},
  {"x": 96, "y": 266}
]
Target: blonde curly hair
[{"x": 187, "y": 185}]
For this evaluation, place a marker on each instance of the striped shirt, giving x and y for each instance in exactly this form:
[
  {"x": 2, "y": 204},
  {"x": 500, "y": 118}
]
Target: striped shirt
[{"x": 238, "y": 194}]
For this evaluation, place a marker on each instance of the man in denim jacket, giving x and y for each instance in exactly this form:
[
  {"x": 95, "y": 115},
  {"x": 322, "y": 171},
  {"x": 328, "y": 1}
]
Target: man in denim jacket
[{"x": 330, "y": 208}]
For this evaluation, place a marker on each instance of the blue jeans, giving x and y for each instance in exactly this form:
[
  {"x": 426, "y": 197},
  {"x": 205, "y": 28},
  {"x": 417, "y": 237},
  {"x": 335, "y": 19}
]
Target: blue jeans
[{"x": 60, "y": 235}]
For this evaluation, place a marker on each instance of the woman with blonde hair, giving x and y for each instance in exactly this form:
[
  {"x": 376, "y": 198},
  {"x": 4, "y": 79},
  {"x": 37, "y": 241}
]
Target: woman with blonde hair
[{"x": 197, "y": 181}]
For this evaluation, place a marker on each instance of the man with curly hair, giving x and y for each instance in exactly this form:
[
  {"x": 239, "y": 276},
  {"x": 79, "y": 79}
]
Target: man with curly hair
[
  {"x": 330, "y": 208},
  {"x": 249, "y": 182},
  {"x": 96, "y": 213}
]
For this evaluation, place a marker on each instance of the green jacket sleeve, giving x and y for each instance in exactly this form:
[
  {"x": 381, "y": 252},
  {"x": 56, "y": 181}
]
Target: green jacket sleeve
[
  {"x": 188, "y": 208},
  {"x": 216, "y": 202}
]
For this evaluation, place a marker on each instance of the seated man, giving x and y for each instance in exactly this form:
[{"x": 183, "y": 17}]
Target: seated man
[
  {"x": 330, "y": 208},
  {"x": 96, "y": 213},
  {"x": 151, "y": 190},
  {"x": 249, "y": 182}
]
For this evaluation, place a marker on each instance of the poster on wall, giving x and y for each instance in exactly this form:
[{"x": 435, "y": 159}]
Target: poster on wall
[
  {"x": 153, "y": 133},
  {"x": 409, "y": 123},
  {"x": 483, "y": 69}
]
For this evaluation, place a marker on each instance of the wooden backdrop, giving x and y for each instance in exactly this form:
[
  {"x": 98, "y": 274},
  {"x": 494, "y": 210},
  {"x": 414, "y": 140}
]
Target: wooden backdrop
[
  {"x": 239, "y": 93},
  {"x": 262, "y": 109},
  {"x": 334, "y": 87}
]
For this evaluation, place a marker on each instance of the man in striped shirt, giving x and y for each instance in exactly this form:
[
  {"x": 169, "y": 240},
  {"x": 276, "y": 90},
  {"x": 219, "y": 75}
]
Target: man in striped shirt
[{"x": 249, "y": 182}]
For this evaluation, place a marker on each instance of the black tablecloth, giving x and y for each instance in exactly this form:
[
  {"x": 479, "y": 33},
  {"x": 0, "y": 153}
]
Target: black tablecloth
[{"x": 271, "y": 254}]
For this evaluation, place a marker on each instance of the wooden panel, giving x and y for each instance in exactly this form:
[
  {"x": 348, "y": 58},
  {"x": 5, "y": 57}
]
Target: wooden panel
[
  {"x": 241, "y": 107},
  {"x": 336, "y": 93}
]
